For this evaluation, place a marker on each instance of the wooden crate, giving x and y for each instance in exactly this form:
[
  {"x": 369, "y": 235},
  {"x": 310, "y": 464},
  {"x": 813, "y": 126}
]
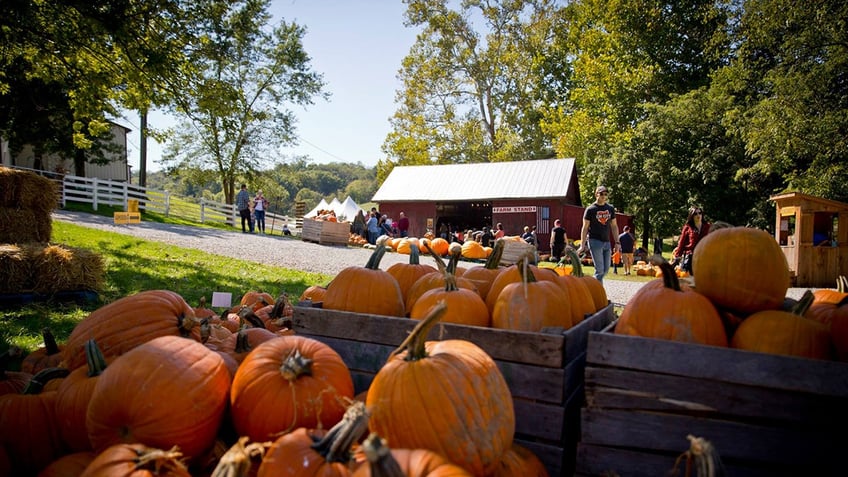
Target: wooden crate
[
  {"x": 544, "y": 371},
  {"x": 325, "y": 232},
  {"x": 515, "y": 250},
  {"x": 765, "y": 414}
]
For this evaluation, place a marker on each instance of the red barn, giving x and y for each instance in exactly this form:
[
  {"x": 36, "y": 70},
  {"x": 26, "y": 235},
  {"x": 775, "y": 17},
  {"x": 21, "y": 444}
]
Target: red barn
[{"x": 473, "y": 196}]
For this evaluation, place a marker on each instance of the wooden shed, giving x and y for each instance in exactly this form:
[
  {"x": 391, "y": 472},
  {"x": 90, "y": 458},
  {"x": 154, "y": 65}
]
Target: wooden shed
[{"x": 813, "y": 233}]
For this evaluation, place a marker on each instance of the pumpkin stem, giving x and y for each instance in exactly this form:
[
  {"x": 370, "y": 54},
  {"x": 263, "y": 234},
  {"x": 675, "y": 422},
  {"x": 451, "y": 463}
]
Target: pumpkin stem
[
  {"x": 50, "y": 345},
  {"x": 242, "y": 343},
  {"x": 576, "y": 266},
  {"x": 440, "y": 262},
  {"x": 669, "y": 276},
  {"x": 186, "y": 324},
  {"x": 36, "y": 384},
  {"x": 159, "y": 460},
  {"x": 702, "y": 456},
  {"x": 376, "y": 257},
  {"x": 414, "y": 343},
  {"x": 335, "y": 446},
  {"x": 248, "y": 317},
  {"x": 456, "y": 253},
  {"x": 800, "y": 308},
  {"x": 842, "y": 284},
  {"x": 414, "y": 255},
  {"x": 237, "y": 461},
  {"x": 94, "y": 358},
  {"x": 494, "y": 260},
  {"x": 380, "y": 458},
  {"x": 296, "y": 365}
]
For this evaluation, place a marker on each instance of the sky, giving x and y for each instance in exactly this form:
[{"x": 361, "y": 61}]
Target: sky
[{"x": 358, "y": 46}]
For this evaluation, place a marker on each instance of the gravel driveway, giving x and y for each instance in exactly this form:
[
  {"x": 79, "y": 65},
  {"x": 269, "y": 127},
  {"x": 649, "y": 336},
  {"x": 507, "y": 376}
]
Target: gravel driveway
[{"x": 283, "y": 252}]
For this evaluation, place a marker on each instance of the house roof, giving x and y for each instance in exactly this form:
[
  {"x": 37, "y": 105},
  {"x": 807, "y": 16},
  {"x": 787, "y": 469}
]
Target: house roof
[{"x": 544, "y": 178}]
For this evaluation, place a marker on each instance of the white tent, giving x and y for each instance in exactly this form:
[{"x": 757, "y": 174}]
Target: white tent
[
  {"x": 323, "y": 205},
  {"x": 347, "y": 210},
  {"x": 335, "y": 205}
]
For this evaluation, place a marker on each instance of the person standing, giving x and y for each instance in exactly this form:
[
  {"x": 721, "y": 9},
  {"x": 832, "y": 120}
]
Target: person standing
[
  {"x": 487, "y": 238},
  {"x": 693, "y": 231},
  {"x": 627, "y": 241},
  {"x": 243, "y": 205},
  {"x": 598, "y": 221},
  {"x": 558, "y": 239},
  {"x": 373, "y": 227},
  {"x": 260, "y": 205},
  {"x": 359, "y": 225},
  {"x": 403, "y": 225},
  {"x": 499, "y": 232}
]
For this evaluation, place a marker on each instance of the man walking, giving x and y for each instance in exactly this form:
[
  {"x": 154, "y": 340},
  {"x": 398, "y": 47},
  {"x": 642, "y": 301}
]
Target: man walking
[
  {"x": 243, "y": 205},
  {"x": 598, "y": 220},
  {"x": 558, "y": 239}
]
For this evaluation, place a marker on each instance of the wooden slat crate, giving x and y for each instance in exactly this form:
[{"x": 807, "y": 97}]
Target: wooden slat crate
[
  {"x": 325, "y": 232},
  {"x": 544, "y": 371},
  {"x": 765, "y": 414}
]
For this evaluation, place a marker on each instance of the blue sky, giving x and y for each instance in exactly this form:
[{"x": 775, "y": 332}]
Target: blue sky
[{"x": 358, "y": 46}]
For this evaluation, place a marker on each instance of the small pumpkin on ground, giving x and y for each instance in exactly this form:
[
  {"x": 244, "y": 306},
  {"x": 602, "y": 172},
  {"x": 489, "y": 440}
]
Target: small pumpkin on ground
[{"x": 473, "y": 250}]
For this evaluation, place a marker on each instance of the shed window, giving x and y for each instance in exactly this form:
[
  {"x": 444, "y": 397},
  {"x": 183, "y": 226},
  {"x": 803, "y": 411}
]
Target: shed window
[
  {"x": 787, "y": 230},
  {"x": 825, "y": 225}
]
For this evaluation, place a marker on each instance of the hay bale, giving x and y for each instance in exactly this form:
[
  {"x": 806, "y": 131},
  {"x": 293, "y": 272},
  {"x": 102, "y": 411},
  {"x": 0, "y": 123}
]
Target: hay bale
[
  {"x": 60, "y": 268},
  {"x": 15, "y": 269},
  {"x": 20, "y": 225},
  {"x": 28, "y": 190}
]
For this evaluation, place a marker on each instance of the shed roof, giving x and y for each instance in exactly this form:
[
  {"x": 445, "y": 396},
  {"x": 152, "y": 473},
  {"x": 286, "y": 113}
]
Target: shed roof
[{"x": 543, "y": 178}]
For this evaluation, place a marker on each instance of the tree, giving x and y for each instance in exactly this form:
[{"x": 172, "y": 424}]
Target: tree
[
  {"x": 234, "y": 107},
  {"x": 468, "y": 90}
]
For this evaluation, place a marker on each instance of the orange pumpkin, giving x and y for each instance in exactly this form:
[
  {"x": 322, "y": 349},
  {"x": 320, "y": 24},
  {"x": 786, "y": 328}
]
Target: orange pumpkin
[
  {"x": 384, "y": 462},
  {"x": 784, "y": 332},
  {"x": 439, "y": 246},
  {"x": 315, "y": 293},
  {"x": 49, "y": 355},
  {"x": 436, "y": 280},
  {"x": 465, "y": 306},
  {"x": 473, "y": 250},
  {"x": 69, "y": 464},
  {"x": 475, "y": 410},
  {"x": 302, "y": 380},
  {"x": 179, "y": 371},
  {"x": 256, "y": 299},
  {"x": 129, "y": 322},
  {"x": 407, "y": 273},
  {"x": 12, "y": 382},
  {"x": 136, "y": 459},
  {"x": 519, "y": 460},
  {"x": 596, "y": 288},
  {"x": 73, "y": 396},
  {"x": 530, "y": 305},
  {"x": 741, "y": 269},
  {"x": 663, "y": 309},
  {"x": 484, "y": 275},
  {"x": 509, "y": 275},
  {"x": 354, "y": 289}
]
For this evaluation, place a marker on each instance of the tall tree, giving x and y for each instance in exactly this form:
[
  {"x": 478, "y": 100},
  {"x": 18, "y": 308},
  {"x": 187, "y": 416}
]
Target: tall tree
[
  {"x": 469, "y": 84},
  {"x": 234, "y": 109}
]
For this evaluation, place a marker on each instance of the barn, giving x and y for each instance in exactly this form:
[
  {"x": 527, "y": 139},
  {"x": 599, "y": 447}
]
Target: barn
[{"x": 473, "y": 196}]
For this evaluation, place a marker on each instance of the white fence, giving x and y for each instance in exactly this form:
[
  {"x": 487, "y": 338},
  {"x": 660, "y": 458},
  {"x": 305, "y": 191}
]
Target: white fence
[{"x": 101, "y": 192}]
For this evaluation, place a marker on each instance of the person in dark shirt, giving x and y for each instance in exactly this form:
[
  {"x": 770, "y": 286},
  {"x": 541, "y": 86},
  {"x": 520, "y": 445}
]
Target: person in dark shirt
[
  {"x": 487, "y": 237},
  {"x": 558, "y": 239},
  {"x": 598, "y": 222},
  {"x": 627, "y": 241}
]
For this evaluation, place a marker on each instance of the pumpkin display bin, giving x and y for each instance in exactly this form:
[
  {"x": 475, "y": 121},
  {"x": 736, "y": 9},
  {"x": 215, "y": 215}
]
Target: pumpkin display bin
[
  {"x": 543, "y": 370},
  {"x": 764, "y": 414}
]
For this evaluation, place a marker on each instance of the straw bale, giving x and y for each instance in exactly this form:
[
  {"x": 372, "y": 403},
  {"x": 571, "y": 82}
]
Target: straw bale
[
  {"x": 15, "y": 268},
  {"x": 27, "y": 190},
  {"x": 20, "y": 225},
  {"x": 62, "y": 268}
]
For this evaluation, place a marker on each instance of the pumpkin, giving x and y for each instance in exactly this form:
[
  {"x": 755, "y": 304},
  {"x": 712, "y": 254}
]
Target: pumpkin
[
  {"x": 48, "y": 355},
  {"x": 129, "y": 322},
  {"x": 436, "y": 280},
  {"x": 484, "y": 275},
  {"x": 69, "y": 465},
  {"x": 596, "y": 288},
  {"x": 445, "y": 396},
  {"x": 473, "y": 250},
  {"x": 741, "y": 269},
  {"x": 302, "y": 453},
  {"x": 530, "y": 305},
  {"x": 277, "y": 317},
  {"x": 201, "y": 311},
  {"x": 256, "y": 299},
  {"x": 784, "y": 332},
  {"x": 73, "y": 396},
  {"x": 440, "y": 246},
  {"x": 407, "y": 273},
  {"x": 581, "y": 299},
  {"x": 137, "y": 460},
  {"x": 177, "y": 374},
  {"x": 315, "y": 293},
  {"x": 518, "y": 460},
  {"x": 509, "y": 275},
  {"x": 828, "y": 303},
  {"x": 366, "y": 289},
  {"x": 405, "y": 245},
  {"x": 239, "y": 344},
  {"x": 385, "y": 462},
  {"x": 27, "y": 421},
  {"x": 662, "y": 309},
  {"x": 465, "y": 306},
  {"x": 286, "y": 383}
]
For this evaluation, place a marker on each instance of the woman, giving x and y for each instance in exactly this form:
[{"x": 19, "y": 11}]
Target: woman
[
  {"x": 694, "y": 229},
  {"x": 260, "y": 205}
]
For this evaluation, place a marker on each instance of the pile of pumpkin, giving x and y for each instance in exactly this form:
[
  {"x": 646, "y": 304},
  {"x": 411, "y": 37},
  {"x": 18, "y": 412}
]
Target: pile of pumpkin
[
  {"x": 148, "y": 385},
  {"x": 737, "y": 297},
  {"x": 520, "y": 297},
  {"x": 470, "y": 249}
]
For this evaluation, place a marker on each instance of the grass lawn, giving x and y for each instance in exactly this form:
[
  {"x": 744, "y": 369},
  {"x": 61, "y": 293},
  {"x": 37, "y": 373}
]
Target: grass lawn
[{"x": 133, "y": 265}]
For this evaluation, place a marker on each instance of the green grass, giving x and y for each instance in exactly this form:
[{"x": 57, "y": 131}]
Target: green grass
[{"x": 133, "y": 265}]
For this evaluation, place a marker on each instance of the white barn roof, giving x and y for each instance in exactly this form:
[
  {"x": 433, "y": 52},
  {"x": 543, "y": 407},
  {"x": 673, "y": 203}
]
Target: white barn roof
[{"x": 546, "y": 178}]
